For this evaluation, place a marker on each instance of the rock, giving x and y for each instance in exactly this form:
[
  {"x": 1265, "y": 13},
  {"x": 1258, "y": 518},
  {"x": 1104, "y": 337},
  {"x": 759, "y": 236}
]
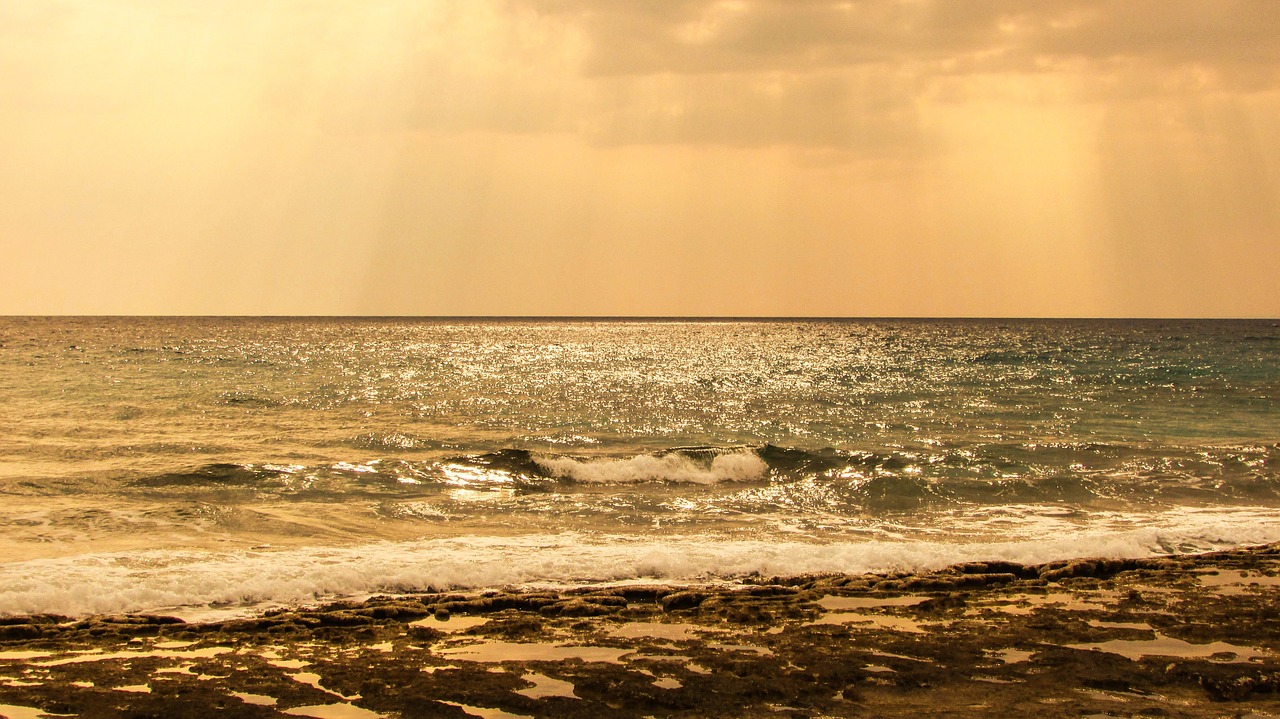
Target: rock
[
  {"x": 575, "y": 608},
  {"x": 682, "y": 600},
  {"x": 1238, "y": 688},
  {"x": 343, "y": 619},
  {"x": 916, "y": 584},
  {"x": 20, "y": 631},
  {"x": 771, "y": 590},
  {"x": 643, "y": 594}
]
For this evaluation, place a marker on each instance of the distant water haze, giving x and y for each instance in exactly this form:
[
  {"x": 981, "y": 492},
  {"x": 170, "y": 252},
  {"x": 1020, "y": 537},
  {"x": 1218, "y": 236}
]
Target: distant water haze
[{"x": 160, "y": 463}]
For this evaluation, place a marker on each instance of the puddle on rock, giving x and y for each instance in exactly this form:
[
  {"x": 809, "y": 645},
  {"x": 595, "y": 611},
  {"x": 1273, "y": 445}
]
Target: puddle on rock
[
  {"x": 1225, "y": 577},
  {"x": 19, "y": 656},
  {"x": 888, "y": 655},
  {"x": 1027, "y": 603},
  {"x": 450, "y": 625},
  {"x": 545, "y": 686},
  {"x": 486, "y": 712},
  {"x": 333, "y": 711},
  {"x": 1098, "y": 624},
  {"x": 1236, "y": 582},
  {"x": 260, "y": 700},
  {"x": 667, "y": 683},
  {"x": 1011, "y": 655},
  {"x": 653, "y": 630},
  {"x": 764, "y": 651},
  {"x": 531, "y": 652},
  {"x": 313, "y": 680},
  {"x": 152, "y": 654},
  {"x": 1163, "y": 646},
  {"x": 689, "y": 665},
  {"x": 833, "y": 602},
  {"x": 880, "y": 621}
]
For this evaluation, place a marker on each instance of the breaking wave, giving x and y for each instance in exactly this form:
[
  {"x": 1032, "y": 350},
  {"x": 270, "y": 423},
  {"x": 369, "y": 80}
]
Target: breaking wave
[
  {"x": 994, "y": 472},
  {"x": 739, "y": 466},
  {"x": 164, "y": 580}
]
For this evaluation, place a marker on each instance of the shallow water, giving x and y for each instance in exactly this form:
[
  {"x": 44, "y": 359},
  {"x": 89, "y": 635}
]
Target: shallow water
[
  {"x": 152, "y": 464},
  {"x": 1163, "y": 646},
  {"x": 498, "y": 651},
  {"x": 545, "y": 686}
]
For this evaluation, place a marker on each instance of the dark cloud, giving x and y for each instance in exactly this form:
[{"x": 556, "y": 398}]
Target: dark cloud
[
  {"x": 703, "y": 36},
  {"x": 851, "y": 74}
]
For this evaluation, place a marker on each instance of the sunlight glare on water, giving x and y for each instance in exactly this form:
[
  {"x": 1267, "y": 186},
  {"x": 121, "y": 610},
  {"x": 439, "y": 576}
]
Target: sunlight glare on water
[{"x": 210, "y": 434}]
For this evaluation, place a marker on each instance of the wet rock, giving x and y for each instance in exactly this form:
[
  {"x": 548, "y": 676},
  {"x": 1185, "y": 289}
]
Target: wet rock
[
  {"x": 997, "y": 567},
  {"x": 240, "y": 626},
  {"x": 403, "y": 611},
  {"x": 20, "y": 631},
  {"x": 930, "y": 584},
  {"x": 986, "y": 580},
  {"x": 424, "y": 634},
  {"x": 735, "y": 656},
  {"x": 1053, "y": 573},
  {"x": 771, "y": 590},
  {"x": 575, "y": 608},
  {"x": 605, "y": 600},
  {"x": 343, "y": 619},
  {"x": 643, "y": 594},
  {"x": 943, "y": 603},
  {"x": 1240, "y": 687},
  {"x": 682, "y": 600}
]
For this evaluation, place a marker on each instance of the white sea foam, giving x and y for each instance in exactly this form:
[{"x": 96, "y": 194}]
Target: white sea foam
[
  {"x": 161, "y": 580},
  {"x": 735, "y": 466}
]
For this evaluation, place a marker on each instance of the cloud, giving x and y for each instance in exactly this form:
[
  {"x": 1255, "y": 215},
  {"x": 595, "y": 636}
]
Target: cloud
[
  {"x": 717, "y": 36},
  {"x": 852, "y": 75},
  {"x": 849, "y": 76}
]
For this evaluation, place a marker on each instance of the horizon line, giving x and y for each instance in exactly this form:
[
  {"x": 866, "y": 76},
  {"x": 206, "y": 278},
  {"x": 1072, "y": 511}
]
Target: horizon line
[{"x": 650, "y": 318}]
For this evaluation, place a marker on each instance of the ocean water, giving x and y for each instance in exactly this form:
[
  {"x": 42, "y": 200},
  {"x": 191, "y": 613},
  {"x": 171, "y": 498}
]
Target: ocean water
[{"x": 219, "y": 464}]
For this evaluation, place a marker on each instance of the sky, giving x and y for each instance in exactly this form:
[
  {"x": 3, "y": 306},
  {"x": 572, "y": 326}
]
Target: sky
[{"x": 865, "y": 158}]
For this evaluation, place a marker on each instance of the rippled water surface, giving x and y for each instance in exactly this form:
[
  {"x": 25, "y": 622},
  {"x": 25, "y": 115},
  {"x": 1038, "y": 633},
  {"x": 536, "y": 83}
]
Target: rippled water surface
[{"x": 579, "y": 450}]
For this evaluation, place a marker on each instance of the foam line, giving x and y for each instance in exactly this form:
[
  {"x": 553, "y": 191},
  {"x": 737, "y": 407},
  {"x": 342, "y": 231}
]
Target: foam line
[
  {"x": 157, "y": 580},
  {"x": 736, "y": 466}
]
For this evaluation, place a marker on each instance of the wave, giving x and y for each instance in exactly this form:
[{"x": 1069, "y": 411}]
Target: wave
[
  {"x": 218, "y": 473},
  {"x": 740, "y": 466},
  {"x": 885, "y": 479},
  {"x": 162, "y": 581}
]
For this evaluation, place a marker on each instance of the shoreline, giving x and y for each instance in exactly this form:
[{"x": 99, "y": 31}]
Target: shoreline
[{"x": 1181, "y": 636}]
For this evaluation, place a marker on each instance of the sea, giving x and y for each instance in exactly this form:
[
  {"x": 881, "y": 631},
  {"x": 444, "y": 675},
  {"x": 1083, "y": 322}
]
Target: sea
[{"x": 206, "y": 466}]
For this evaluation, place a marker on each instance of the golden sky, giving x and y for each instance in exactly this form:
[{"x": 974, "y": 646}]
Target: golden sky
[{"x": 641, "y": 157}]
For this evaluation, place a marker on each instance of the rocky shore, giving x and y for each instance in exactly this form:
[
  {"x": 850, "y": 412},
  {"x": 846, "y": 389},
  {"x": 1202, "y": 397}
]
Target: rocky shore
[{"x": 1180, "y": 636}]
